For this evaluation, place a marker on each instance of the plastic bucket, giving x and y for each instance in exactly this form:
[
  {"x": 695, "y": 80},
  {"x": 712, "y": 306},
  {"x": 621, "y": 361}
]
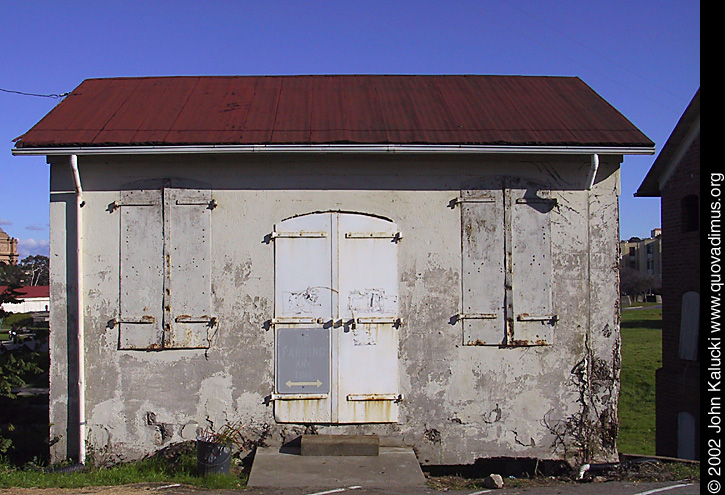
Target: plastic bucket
[{"x": 212, "y": 458}]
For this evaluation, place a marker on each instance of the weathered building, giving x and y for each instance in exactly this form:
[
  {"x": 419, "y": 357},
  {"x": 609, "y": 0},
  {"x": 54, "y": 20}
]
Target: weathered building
[
  {"x": 8, "y": 249},
  {"x": 432, "y": 258},
  {"x": 675, "y": 177}
]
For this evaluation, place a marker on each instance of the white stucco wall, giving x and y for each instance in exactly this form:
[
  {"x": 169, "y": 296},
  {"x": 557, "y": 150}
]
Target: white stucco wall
[{"x": 461, "y": 402}]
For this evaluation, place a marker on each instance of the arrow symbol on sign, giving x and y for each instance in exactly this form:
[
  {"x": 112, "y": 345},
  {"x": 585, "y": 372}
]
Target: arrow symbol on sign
[{"x": 317, "y": 383}]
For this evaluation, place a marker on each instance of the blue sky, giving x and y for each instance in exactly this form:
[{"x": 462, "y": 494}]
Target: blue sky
[{"x": 641, "y": 56}]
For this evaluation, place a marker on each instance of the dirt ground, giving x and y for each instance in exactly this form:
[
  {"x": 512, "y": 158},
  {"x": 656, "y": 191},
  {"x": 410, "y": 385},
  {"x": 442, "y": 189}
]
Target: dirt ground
[{"x": 638, "y": 471}]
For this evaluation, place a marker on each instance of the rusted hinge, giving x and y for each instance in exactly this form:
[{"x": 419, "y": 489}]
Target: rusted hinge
[
  {"x": 114, "y": 205},
  {"x": 395, "y": 236},
  {"x": 144, "y": 320},
  {"x": 458, "y": 201},
  {"x": 536, "y": 200},
  {"x": 210, "y": 320},
  {"x": 299, "y": 396},
  {"x": 209, "y": 204},
  {"x": 377, "y": 320},
  {"x": 295, "y": 235},
  {"x": 475, "y": 316},
  {"x": 292, "y": 320},
  {"x": 367, "y": 397},
  {"x": 550, "y": 318}
]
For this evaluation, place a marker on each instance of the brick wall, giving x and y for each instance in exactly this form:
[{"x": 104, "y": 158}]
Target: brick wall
[{"x": 678, "y": 382}]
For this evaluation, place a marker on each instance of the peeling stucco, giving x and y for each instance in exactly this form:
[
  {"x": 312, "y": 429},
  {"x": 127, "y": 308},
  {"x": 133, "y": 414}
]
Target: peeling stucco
[{"x": 461, "y": 403}]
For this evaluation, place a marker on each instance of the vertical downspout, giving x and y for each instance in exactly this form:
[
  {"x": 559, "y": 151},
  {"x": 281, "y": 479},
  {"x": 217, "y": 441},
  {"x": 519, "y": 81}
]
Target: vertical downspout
[
  {"x": 80, "y": 335},
  {"x": 593, "y": 172}
]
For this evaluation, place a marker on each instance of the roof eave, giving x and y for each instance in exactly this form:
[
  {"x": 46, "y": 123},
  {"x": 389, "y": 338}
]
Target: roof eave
[
  {"x": 338, "y": 148},
  {"x": 687, "y": 128}
]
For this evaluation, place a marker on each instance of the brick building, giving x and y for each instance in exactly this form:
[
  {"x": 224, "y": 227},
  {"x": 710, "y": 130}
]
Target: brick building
[{"x": 675, "y": 177}]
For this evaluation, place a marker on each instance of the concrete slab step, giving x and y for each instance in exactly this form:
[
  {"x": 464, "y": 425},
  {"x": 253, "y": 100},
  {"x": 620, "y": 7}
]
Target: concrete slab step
[
  {"x": 394, "y": 468},
  {"x": 331, "y": 445}
]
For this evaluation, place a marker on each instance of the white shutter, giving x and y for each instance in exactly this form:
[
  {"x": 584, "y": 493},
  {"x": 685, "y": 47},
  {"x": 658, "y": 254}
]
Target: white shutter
[
  {"x": 531, "y": 265},
  {"x": 367, "y": 341},
  {"x": 140, "y": 321},
  {"x": 482, "y": 269},
  {"x": 303, "y": 309},
  {"x": 187, "y": 250},
  {"x": 303, "y": 277}
]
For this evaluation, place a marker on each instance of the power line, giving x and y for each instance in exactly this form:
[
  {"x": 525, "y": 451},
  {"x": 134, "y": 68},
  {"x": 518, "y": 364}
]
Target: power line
[{"x": 23, "y": 93}]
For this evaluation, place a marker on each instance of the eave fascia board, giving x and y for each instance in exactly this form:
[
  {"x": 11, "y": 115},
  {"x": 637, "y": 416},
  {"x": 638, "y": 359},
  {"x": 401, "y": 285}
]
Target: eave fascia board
[{"x": 336, "y": 148}]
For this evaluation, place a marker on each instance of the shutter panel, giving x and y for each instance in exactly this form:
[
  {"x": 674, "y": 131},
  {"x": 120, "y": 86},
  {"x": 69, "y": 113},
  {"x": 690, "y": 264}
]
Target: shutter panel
[
  {"x": 482, "y": 225},
  {"x": 141, "y": 295},
  {"x": 187, "y": 252},
  {"x": 531, "y": 260},
  {"x": 303, "y": 274}
]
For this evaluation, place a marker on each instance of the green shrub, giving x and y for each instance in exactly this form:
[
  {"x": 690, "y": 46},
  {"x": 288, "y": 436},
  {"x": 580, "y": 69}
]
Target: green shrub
[{"x": 17, "y": 320}]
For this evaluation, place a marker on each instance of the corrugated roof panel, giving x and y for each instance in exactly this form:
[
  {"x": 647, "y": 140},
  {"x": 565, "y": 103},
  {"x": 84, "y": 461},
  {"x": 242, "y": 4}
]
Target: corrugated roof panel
[
  {"x": 346, "y": 109},
  {"x": 360, "y": 109},
  {"x": 262, "y": 114},
  {"x": 125, "y": 122},
  {"x": 416, "y": 112},
  {"x": 84, "y": 113},
  {"x": 214, "y": 113},
  {"x": 172, "y": 97},
  {"x": 292, "y": 121}
]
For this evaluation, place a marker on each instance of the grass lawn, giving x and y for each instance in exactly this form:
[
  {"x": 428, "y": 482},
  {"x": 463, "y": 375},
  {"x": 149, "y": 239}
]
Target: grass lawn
[
  {"x": 181, "y": 470},
  {"x": 641, "y": 356}
]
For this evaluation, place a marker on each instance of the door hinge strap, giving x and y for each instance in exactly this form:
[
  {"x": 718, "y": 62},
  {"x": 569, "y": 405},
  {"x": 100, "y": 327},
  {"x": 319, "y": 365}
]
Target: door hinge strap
[
  {"x": 370, "y": 397},
  {"x": 395, "y": 236},
  {"x": 297, "y": 235},
  {"x": 372, "y": 320},
  {"x": 210, "y": 320},
  {"x": 209, "y": 204},
  {"x": 550, "y": 318},
  {"x": 476, "y": 316},
  {"x": 459, "y": 201},
  {"x": 114, "y": 205},
  {"x": 536, "y": 201},
  {"x": 299, "y": 396},
  {"x": 144, "y": 320},
  {"x": 297, "y": 321}
]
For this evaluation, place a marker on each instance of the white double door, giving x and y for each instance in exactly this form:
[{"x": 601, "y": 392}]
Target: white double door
[{"x": 336, "y": 319}]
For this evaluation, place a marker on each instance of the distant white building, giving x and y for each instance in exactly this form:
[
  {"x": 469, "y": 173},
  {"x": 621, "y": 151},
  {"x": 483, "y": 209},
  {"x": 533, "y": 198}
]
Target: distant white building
[{"x": 34, "y": 298}]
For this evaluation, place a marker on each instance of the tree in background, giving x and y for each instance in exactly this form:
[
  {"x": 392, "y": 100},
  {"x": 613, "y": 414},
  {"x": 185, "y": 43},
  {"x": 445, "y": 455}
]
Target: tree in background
[
  {"x": 11, "y": 275},
  {"x": 32, "y": 270},
  {"x": 36, "y": 269},
  {"x": 634, "y": 283}
]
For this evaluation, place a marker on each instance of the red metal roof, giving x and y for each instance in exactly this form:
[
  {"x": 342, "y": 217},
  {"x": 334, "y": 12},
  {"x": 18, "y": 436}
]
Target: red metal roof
[
  {"x": 354, "y": 109},
  {"x": 30, "y": 291}
]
